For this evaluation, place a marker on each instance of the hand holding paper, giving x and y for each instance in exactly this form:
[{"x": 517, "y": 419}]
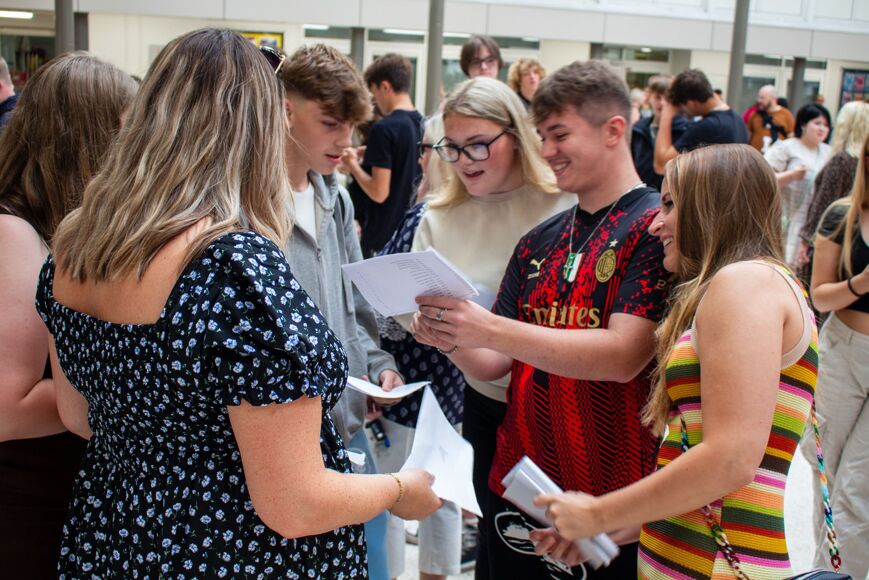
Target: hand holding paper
[
  {"x": 391, "y": 283},
  {"x": 441, "y": 451},
  {"x": 376, "y": 392}
]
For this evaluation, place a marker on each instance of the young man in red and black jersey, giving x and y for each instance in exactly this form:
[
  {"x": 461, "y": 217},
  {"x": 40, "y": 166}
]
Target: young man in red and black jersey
[{"x": 574, "y": 321}]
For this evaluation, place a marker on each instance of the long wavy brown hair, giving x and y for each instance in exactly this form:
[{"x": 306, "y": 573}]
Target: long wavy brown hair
[
  {"x": 205, "y": 137},
  {"x": 68, "y": 115},
  {"x": 728, "y": 211}
]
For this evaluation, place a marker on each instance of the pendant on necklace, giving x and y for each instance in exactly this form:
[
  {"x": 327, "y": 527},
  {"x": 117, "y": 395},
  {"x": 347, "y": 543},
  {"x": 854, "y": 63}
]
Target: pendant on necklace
[{"x": 571, "y": 267}]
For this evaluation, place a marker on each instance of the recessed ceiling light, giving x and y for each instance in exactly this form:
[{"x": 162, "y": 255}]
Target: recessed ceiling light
[
  {"x": 315, "y": 27},
  {"x": 16, "y": 14},
  {"x": 404, "y": 31}
]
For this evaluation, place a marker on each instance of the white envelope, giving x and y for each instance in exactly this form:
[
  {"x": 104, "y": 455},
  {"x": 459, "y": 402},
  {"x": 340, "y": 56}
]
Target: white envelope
[{"x": 373, "y": 390}]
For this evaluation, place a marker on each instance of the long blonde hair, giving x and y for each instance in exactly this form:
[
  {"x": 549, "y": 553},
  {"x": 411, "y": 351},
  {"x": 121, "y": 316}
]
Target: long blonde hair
[
  {"x": 68, "y": 115},
  {"x": 490, "y": 99},
  {"x": 855, "y": 202},
  {"x": 852, "y": 128},
  {"x": 205, "y": 138},
  {"x": 437, "y": 171},
  {"x": 728, "y": 211}
]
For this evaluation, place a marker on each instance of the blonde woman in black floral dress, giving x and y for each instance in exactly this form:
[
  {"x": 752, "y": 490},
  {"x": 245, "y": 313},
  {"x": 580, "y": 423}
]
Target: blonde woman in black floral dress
[{"x": 187, "y": 352}]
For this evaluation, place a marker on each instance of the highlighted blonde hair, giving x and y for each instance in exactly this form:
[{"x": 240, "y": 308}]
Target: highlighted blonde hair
[
  {"x": 492, "y": 100},
  {"x": 852, "y": 129},
  {"x": 437, "y": 171},
  {"x": 728, "y": 211},
  {"x": 855, "y": 202},
  {"x": 205, "y": 138}
]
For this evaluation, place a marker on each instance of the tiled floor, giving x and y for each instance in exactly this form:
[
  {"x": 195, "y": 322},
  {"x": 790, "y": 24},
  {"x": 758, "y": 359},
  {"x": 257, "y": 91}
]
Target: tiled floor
[{"x": 799, "y": 502}]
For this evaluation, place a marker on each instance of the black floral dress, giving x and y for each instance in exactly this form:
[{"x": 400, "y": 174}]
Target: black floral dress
[{"x": 161, "y": 492}]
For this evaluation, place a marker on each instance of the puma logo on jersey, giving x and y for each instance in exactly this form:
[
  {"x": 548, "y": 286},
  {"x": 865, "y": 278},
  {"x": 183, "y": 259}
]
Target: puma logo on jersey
[{"x": 537, "y": 264}]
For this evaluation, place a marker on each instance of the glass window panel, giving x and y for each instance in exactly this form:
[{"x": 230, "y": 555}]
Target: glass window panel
[{"x": 750, "y": 86}]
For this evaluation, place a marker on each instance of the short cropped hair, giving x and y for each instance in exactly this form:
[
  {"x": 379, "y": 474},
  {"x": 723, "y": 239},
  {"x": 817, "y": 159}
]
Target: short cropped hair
[
  {"x": 392, "y": 68},
  {"x": 472, "y": 45},
  {"x": 519, "y": 68},
  {"x": 321, "y": 73},
  {"x": 690, "y": 85},
  {"x": 660, "y": 84},
  {"x": 593, "y": 88}
]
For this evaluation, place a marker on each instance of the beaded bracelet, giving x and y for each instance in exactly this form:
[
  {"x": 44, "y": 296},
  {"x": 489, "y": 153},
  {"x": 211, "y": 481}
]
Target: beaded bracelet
[
  {"x": 449, "y": 352},
  {"x": 400, "y": 489},
  {"x": 854, "y": 292}
]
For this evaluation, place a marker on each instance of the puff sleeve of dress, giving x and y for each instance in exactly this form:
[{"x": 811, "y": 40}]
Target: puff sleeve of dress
[{"x": 264, "y": 339}]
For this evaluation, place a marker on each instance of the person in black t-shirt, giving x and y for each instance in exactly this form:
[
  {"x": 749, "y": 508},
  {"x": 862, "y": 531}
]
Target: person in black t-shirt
[
  {"x": 644, "y": 132},
  {"x": 390, "y": 153},
  {"x": 692, "y": 93}
]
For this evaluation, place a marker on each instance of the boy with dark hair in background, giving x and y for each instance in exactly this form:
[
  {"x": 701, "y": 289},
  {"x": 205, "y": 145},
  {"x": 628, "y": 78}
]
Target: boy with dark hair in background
[
  {"x": 387, "y": 174},
  {"x": 692, "y": 93},
  {"x": 644, "y": 132}
]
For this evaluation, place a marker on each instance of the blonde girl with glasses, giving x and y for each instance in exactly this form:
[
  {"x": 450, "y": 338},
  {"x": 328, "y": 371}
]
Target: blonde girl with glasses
[{"x": 499, "y": 188}]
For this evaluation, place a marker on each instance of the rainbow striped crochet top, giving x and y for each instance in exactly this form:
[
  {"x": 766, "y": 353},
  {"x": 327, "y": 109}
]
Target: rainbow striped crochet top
[{"x": 752, "y": 516}]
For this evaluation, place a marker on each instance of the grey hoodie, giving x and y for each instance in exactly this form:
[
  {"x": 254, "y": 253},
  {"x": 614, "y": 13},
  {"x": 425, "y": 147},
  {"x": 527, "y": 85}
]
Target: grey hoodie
[{"x": 316, "y": 264}]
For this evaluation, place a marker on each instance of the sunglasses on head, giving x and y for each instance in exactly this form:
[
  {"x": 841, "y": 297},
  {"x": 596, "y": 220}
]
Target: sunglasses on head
[{"x": 275, "y": 57}]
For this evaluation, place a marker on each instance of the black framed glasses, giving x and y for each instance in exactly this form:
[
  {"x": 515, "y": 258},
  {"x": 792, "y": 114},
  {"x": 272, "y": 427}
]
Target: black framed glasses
[
  {"x": 475, "y": 151},
  {"x": 275, "y": 57},
  {"x": 488, "y": 62},
  {"x": 422, "y": 147}
]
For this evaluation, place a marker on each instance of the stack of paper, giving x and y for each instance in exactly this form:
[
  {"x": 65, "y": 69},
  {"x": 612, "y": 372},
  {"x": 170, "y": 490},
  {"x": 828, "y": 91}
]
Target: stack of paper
[
  {"x": 392, "y": 283},
  {"x": 525, "y": 482}
]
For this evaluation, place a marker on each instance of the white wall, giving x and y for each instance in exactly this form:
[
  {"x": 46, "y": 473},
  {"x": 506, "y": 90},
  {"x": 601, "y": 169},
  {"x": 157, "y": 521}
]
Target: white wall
[
  {"x": 715, "y": 64},
  {"x": 129, "y": 33},
  {"x": 132, "y": 42},
  {"x": 796, "y": 27},
  {"x": 827, "y": 29},
  {"x": 554, "y": 54}
]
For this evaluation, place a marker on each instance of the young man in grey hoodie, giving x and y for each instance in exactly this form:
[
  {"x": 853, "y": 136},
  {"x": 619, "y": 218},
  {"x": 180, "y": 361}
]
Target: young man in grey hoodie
[{"x": 326, "y": 98}]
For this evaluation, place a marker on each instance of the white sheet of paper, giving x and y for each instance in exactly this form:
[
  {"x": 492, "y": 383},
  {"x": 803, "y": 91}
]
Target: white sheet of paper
[
  {"x": 525, "y": 482},
  {"x": 441, "y": 451},
  {"x": 392, "y": 283},
  {"x": 373, "y": 390}
]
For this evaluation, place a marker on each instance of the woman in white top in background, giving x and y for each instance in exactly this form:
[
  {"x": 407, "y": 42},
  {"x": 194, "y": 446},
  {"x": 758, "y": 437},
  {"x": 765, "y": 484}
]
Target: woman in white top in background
[
  {"x": 500, "y": 188},
  {"x": 796, "y": 162}
]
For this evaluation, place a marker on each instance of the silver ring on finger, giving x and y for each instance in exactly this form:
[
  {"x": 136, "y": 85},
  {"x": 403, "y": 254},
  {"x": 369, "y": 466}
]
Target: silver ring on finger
[{"x": 440, "y": 314}]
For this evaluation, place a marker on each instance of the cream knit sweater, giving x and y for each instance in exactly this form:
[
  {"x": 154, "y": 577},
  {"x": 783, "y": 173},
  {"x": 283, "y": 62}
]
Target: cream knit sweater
[{"x": 478, "y": 237}]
